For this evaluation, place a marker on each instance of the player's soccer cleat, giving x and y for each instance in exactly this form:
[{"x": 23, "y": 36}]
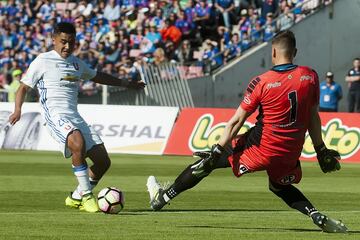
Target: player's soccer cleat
[
  {"x": 72, "y": 202},
  {"x": 156, "y": 193},
  {"x": 89, "y": 203},
  {"x": 329, "y": 225}
]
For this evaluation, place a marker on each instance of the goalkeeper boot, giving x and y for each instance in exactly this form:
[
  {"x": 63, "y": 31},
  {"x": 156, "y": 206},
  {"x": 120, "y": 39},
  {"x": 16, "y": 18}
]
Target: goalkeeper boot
[
  {"x": 89, "y": 203},
  {"x": 329, "y": 225},
  {"x": 156, "y": 192},
  {"x": 72, "y": 202}
]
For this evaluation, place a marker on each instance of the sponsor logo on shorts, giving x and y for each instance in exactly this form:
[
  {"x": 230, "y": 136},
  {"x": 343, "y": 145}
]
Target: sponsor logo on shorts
[
  {"x": 243, "y": 169},
  {"x": 288, "y": 179}
]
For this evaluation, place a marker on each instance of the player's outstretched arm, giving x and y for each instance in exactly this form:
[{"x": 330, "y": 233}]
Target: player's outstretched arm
[
  {"x": 233, "y": 126},
  {"x": 107, "y": 79},
  {"x": 210, "y": 158},
  {"x": 19, "y": 100},
  {"x": 328, "y": 159}
]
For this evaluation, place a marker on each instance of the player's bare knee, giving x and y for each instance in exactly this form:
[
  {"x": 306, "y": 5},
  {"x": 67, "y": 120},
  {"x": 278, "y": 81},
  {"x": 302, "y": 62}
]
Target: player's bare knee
[{"x": 76, "y": 143}]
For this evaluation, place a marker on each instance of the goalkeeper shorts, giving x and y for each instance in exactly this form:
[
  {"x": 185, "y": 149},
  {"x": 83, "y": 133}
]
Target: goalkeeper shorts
[{"x": 280, "y": 170}]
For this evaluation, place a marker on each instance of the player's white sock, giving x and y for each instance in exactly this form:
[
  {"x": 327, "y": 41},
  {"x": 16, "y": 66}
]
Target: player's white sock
[
  {"x": 76, "y": 194},
  {"x": 82, "y": 174}
]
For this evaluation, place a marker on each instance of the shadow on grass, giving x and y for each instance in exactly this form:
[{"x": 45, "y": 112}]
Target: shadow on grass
[
  {"x": 210, "y": 210},
  {"x": 263, "y": 229}
]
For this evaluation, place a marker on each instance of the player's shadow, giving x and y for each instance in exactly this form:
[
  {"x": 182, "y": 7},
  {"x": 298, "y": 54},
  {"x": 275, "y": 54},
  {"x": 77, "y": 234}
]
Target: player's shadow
[
  {"x": 264, "y": 229},
  {"x": 134, "y": 212},
  {"x": 220, "y": 210}
]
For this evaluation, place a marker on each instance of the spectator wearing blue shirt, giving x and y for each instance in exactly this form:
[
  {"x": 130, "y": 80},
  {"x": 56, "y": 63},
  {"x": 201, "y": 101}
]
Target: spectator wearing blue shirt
[
  {"x": 157, "y": 20},
  {"x": 141, "y": 3},
  {"x": 269, "y": 6},
  {"x": 153, "y": 36},
  {"x": 212, "y": 54},
  {"x": 330, "y": 94},
  {"x": 232, "y": 48},
  {"x": 203, "y": 20},
  {"x": 353, "y": 79},
  {"x": 256, "y": 32},
  {"x": 189, "y": 10},
  {"x": 9, "y": 39},
  {"x": 127, "y": 5},
  {"x": 226, "y": 8},
  {"x": 245, "y": 41},
  {"x": 270, "y": 28},
  {"x": 46, "y": 9},
  {"x": 244, "y": 22},
  {"x": 11, "y": 9},
  {"x": 182, "y": 24}
]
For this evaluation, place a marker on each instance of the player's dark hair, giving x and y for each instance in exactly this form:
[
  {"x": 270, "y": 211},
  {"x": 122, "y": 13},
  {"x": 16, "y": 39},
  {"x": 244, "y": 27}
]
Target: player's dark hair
[
  {"x": 286, "y": 40},
  {"x": 357, "y": 59},
  {"x": 64, "y": 27}
]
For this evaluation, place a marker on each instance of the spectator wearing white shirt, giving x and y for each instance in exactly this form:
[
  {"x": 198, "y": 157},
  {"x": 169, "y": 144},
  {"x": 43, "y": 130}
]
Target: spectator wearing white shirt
[{"x": 112, "y": 11}]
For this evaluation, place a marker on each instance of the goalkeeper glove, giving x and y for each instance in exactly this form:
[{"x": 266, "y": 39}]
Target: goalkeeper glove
[{"x": 328, "y": 159}]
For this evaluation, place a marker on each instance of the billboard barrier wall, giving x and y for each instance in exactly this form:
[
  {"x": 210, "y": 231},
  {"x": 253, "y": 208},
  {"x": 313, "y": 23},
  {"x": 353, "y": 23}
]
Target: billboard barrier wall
[
  {"x": 124, "y": 129},
  {"x": 197, "y": 129},
  {"x": 153, "y": 130}
]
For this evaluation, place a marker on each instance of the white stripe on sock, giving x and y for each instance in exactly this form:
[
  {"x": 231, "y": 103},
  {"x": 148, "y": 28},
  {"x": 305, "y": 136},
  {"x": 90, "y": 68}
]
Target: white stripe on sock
[{"x": 166, "y": 198}]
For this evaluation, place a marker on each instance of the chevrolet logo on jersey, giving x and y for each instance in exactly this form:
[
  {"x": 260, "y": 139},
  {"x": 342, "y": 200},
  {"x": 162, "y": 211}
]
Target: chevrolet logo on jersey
[{"x": 71, "y": 78}]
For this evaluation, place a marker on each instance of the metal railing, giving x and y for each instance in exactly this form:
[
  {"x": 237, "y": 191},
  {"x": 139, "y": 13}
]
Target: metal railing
[{"x": 167, "y": 85}]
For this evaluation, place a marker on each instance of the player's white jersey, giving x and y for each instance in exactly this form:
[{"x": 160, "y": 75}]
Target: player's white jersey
[{"x": 57, "y": 80}]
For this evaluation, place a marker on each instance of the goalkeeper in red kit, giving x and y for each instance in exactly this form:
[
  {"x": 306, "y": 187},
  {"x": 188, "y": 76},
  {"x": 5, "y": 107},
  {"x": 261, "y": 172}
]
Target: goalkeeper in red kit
[{"x": 287, "y": 98}]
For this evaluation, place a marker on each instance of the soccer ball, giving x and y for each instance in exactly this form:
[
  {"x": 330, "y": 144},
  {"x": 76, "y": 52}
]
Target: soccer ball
[{"x": 111, "y": 200}]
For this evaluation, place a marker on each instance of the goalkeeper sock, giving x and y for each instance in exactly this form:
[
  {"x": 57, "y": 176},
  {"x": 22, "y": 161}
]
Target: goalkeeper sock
[
  {"x": 187, "y": 179},
  {"x": 82, "y": 174},
  {"x": 184, "y": 181},
  {"x": 295, "y": 199}
]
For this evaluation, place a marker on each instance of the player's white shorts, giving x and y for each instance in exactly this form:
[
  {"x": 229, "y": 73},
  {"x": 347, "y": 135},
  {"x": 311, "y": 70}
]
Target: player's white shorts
[{"x": 61, "y": 126}]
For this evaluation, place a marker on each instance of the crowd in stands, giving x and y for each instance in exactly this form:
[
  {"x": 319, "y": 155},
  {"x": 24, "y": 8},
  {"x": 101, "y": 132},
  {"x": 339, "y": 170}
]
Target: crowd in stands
[{"x": 113, "y": 34}]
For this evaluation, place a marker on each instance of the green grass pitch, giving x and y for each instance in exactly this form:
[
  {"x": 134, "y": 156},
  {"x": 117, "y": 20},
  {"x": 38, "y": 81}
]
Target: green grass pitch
[{"x": 33, "y": 187}]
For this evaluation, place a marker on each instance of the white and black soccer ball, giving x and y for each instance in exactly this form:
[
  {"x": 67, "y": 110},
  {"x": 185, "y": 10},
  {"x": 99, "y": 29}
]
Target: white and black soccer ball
[{"x": 111, "y": 200}]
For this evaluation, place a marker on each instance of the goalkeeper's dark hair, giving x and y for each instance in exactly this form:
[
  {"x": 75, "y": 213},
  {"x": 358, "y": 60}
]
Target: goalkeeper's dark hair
[
  {"x": 286, "y": 40},
  {"x": 64, "y": 27}
]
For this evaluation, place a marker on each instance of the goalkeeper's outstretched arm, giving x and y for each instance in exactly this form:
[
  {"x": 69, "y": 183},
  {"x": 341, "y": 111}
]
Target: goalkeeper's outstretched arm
[
  {"x": 315, "y": 126},
  {"x": 328, "y": 159},
  {"x": 233, "y": 126}
]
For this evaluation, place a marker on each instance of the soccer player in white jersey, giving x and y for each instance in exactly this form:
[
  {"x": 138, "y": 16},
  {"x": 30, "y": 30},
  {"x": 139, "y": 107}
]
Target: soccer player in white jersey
[{"x": 56, "y": 75}]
